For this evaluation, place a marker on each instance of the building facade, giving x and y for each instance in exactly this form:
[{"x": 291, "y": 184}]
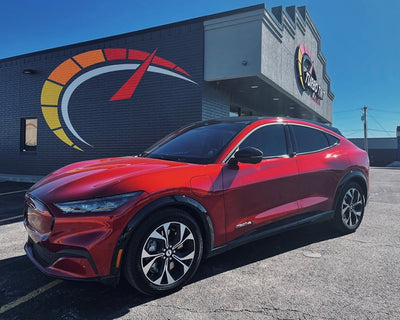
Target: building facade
[
  {"x": 118, "y": 95},
  {"x": 382, "y": 151}
]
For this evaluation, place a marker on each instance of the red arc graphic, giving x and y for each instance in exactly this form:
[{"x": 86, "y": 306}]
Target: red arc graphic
[{"x": 129, "y": 87}]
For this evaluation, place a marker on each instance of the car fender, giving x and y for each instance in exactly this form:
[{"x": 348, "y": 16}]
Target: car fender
[
  {"x": 355, "y": 176},
  {"x": 194, "y": 208}
]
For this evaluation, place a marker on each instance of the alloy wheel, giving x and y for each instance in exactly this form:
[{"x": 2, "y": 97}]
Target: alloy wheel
[
  {"x": 352, "y": 208},
  {"x": 168, "y": 253}
]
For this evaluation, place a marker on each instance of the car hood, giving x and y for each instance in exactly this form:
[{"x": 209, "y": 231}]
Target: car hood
[{"x": 102, "y": 177}]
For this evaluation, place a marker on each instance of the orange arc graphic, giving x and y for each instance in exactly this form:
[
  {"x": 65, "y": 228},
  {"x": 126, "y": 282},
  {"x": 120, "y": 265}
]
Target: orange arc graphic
[
  {"x": 64, "y": 72},
  {"x": 89, "y": 58}
]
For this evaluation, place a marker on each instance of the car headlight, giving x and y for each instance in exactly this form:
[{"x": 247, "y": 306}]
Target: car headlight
[{"x": 105, "y": 204}]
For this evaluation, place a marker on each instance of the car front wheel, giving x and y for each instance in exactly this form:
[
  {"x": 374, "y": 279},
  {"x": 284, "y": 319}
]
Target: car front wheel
[{"x": 164, "y": 252}]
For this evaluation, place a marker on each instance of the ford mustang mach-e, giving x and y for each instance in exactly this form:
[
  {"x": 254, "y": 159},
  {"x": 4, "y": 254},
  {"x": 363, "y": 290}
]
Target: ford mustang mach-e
[{"x": 201, "y": 190}]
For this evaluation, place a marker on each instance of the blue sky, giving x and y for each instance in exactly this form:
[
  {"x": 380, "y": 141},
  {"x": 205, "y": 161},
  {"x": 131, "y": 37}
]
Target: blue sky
[{"x": 360, "y": 40}]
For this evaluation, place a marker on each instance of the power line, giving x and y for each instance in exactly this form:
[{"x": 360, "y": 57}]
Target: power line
[
  {"x": 385, "y": 110},
  {"x": 355, "y": 130},
  {"x": 381, "y": 112},
  {"x": 379, "y": 124},
  {"x": 341, "y": 118},
  {"x": 377, "y": 130},
  {"x": 351, "y": 133},
  {"x": 346, "y": 111}
]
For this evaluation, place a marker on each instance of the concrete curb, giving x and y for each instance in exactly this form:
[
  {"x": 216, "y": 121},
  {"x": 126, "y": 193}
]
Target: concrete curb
[{"x": 20, "y": 178}]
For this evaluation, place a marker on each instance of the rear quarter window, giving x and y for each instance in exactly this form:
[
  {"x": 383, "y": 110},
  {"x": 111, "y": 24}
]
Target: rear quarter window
[{"x": 332, "y": 140}]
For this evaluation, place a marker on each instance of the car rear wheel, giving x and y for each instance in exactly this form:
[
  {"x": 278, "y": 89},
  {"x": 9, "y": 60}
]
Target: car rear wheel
[
  {"x": 350, "y": 208},
  {"x": 164, "y": 252}
]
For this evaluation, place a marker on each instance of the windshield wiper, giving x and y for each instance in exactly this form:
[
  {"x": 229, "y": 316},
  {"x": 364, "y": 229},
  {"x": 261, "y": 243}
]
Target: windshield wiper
[{"x": 162, "y": 157}]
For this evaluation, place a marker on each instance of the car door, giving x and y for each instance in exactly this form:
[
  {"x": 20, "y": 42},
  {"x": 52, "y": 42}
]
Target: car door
[
  {"x": 321, "y": 164},
  {"x": 258, "y": 194}
]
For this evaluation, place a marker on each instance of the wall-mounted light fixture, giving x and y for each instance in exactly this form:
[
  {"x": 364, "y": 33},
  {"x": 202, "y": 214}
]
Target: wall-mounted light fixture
[
  {"x": 244, "y": 62},
  {"x": 275, "y": 99},
  {"x": 29, "y": 71}
]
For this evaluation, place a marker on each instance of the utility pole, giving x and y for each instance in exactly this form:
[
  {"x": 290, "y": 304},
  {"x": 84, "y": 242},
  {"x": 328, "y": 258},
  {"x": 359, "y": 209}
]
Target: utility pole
[{"x": 364, "y": 118}]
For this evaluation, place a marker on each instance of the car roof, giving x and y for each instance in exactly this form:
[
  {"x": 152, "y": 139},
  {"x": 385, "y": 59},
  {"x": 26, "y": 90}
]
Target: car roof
[{"x": 251, "y": 119}]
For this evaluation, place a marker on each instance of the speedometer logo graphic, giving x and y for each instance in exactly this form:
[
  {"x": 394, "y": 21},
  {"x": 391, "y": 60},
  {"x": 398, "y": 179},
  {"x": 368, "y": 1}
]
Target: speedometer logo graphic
[
  {"x": 306, "y": 74},
  {"x": 70, "y": 74},
  {"x": 304, "y": 65}
]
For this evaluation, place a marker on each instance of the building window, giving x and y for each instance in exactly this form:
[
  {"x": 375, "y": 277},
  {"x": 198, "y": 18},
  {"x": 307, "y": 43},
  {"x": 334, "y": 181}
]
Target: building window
[
  {"x": 236, "y": 111},
  {"x": 29, "y": 134}
]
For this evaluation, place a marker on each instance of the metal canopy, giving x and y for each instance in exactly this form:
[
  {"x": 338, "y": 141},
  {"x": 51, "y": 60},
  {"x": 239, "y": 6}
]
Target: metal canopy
[{"x": 254, "y": 95}]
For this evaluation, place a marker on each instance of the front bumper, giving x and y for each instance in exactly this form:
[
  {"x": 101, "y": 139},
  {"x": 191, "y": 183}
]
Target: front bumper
[
  {"x": 80, "y": 247},
  {"x": 69, "y": 264}
]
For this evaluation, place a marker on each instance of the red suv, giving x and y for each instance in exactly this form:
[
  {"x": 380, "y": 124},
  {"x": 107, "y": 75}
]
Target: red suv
[{"x": 201, "y": 190}]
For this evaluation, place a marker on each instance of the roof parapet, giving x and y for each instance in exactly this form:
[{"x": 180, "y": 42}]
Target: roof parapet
[{"x": 292, "y": 18}]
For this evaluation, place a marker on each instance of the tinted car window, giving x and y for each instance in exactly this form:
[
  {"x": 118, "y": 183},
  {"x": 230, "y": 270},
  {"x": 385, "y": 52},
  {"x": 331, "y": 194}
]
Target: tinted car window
[
  {"x": 332, "y": 140},
  {"x": 271, "y": 140},
  {"x": 309, "y": 139}
]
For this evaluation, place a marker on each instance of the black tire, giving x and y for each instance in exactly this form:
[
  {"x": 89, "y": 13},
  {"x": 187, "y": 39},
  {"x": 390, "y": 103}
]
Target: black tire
[
  {"x": 350, "y": 208},
  {"x": 164, "y": 252}
]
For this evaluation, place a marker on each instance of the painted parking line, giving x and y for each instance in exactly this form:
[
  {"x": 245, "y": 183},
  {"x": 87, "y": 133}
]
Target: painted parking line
[
  {"x": 12, "y": 192},
  {"x": 11, "y": 218},
  {"x": 29, "y": 296}
]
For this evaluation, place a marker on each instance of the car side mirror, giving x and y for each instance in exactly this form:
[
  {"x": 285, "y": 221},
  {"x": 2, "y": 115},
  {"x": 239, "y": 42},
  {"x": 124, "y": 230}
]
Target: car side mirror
[{"x": 249, "y": 155}]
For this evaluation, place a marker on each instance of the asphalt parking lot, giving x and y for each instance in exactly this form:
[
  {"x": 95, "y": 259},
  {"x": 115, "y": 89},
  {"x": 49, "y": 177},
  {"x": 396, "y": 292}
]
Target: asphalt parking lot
[{"x": 308, "y": 273}]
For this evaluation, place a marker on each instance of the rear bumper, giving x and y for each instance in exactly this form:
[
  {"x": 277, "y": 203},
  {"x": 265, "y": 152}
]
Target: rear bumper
[{"x": 68, "y": 264}]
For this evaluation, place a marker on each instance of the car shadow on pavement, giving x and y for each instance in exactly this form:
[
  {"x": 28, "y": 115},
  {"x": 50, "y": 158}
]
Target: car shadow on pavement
[
  {"x": 266, "y": 248},
  {"x": 88, "y": 300}
]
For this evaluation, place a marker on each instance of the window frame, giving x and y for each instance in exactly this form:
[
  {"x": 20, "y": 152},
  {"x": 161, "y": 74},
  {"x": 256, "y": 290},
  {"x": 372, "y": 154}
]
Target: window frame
[
  {"x": 24, "y": 148},
  {"x": 289, "y": 147},
  {"x": 294, "y": 140}
]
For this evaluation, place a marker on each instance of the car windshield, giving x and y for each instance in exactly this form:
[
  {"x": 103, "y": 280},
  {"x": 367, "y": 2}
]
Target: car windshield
[{"x": 199, "y": 143}]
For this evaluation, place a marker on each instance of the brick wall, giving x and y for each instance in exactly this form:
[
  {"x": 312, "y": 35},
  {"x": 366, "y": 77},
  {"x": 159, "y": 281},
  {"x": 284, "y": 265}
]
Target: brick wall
[{"x": 216, "y": 103}]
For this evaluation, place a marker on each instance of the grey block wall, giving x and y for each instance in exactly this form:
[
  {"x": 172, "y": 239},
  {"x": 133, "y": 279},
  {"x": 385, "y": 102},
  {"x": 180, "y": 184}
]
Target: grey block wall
[{"x": 215, "y": 103}]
